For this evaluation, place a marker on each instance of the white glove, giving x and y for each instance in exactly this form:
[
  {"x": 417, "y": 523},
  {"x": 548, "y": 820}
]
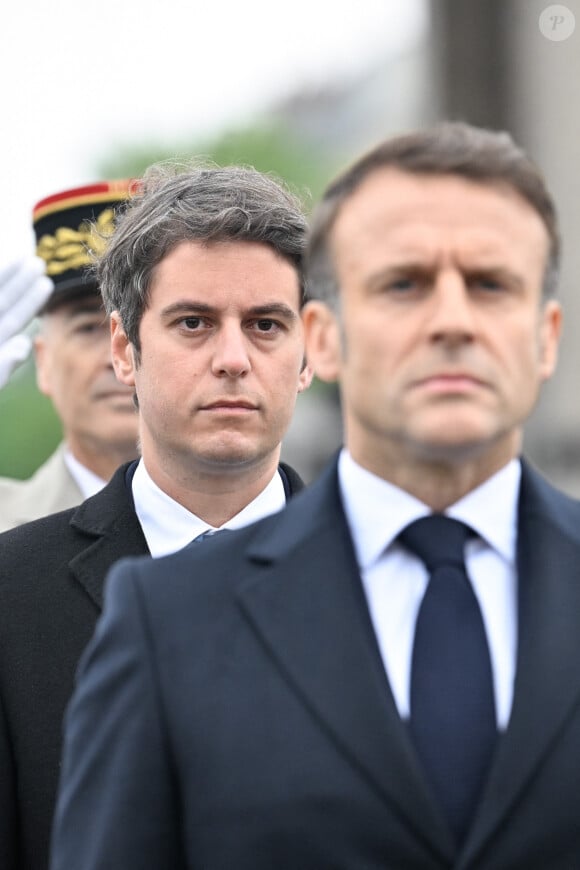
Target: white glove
[{"x": 24, "y": 288}]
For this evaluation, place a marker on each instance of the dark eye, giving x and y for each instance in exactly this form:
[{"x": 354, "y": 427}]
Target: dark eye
[
  {"x": 265, "y": 325},
  {"x": 487, "y": 283},
  {"x": 402, "y": 284},
  {"x": 192, "y": 322},
  {"x": 90, "y": 327}
]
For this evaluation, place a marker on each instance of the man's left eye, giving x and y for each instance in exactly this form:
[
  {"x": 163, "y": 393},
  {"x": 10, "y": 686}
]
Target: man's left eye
[
  {"x": 402, "y": 285},
  {"x": 192, "y": 322},
  {"x": 485, "y": 283},
  {"x": 90, "y": 327}
]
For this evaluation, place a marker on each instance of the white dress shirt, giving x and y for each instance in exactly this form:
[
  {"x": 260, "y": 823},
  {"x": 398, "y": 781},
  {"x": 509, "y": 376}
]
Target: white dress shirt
[
  {"x": 87, "y": 481},
  {"x": 168, "y": 526},
  {"x": 395, "y": 580}
]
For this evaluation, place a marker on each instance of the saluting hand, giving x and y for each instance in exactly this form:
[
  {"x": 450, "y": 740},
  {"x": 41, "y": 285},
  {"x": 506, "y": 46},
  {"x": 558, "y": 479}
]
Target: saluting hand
[{"x": 24, "y": 288}]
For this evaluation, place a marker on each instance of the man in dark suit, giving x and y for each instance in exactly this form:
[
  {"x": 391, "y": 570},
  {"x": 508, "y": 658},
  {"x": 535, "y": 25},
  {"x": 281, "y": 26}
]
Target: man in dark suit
[
  {"x": 385, "y": 674},
  {"x": 203, "y": 284}
]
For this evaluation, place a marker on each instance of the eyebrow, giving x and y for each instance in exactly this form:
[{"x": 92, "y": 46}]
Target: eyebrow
[
  {"x": 267, "y": 310},
  {"x": 413, "y": 267},
  {"x": 422, "y": 269}
]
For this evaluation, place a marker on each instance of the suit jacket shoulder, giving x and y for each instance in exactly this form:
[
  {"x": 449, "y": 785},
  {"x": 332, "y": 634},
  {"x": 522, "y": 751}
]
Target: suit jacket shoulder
[
  {"x": 51, "y": 488},
  {"x": 540, "y": 498}
]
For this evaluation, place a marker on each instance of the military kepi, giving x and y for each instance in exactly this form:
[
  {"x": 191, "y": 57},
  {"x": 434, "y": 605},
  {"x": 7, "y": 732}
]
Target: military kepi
[{"x": 72, "y": 228}]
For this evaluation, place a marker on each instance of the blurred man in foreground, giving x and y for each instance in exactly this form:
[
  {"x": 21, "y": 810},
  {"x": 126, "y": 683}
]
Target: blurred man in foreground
[
  {"x": 385, "y": 674},
  {"x": 73, "y": 359},
  {"x": 203, "y": 283}
]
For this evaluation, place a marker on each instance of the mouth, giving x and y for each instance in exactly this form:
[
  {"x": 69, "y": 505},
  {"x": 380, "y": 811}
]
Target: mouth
[
  {"x": 115, "y": 395},
  {"x": 231, "y": 406},
  {"x": 458, "y": 383}
]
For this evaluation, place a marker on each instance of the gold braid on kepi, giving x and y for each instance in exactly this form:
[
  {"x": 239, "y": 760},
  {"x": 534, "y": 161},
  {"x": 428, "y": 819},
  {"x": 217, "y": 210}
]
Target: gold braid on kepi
[{"x": 71, "y": 228}]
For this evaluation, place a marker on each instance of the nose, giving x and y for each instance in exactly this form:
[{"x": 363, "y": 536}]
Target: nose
[
  {"x": 230, "y": 355},
  {"x": 452, "y": 317}
]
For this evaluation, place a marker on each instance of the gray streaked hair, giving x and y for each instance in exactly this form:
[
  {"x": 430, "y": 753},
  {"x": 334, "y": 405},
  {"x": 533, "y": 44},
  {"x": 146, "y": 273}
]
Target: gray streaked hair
[
  {"x": 174, "y": 203},
  {"x": 484, "y": 156}
]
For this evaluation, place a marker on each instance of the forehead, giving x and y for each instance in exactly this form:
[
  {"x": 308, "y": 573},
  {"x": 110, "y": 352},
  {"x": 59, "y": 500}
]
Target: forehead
[
  {"x": 218, "y": 273},
  {"x": 394, "y": 211},
  {"x": 90, "y": 303}
]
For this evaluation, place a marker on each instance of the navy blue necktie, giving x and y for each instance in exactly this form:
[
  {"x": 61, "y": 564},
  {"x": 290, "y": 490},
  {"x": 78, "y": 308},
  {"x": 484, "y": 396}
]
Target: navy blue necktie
[{"x": 453, "y": 723}]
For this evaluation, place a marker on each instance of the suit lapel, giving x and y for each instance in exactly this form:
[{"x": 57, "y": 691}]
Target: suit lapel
[
  {"x": 112, "y": 530},
  {"x": 109, "y": 523},
  {"x": 291, "y": 480},
  {"x": 308, "y": 608},
  {"x": 546, "y": 686}
]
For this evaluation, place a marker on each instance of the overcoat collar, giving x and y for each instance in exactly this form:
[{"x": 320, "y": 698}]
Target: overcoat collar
[
  {"x": 112, "y": 530},
  {"x": 110, "y": 526}
]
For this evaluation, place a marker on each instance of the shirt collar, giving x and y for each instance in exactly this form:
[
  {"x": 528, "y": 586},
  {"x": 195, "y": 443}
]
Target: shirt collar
[
  {"x": 377, "y": 511},
  {"x": 168, "y": 526},
  {"x": 87, "y": 481},
  {"x": 492, "y": 509}
]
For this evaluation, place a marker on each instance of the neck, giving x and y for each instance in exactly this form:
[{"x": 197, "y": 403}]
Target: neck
[
  {"x": 104, "y": 462},
  {"x": 438, "y": 482},
  {"x": 215, "y": 496},
  {"x": 440, "y": 487}
]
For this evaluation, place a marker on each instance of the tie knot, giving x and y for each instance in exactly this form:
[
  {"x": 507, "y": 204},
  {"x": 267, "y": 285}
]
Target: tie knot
[
  {"x": 437, "y": 540},
  {"x": 209, "y": 533}
]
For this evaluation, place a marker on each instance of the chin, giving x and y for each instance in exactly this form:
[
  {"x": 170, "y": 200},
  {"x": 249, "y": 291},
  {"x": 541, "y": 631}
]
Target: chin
[
  {"x": 457, "y": 447},
  {"x": 229, "y": 457}
]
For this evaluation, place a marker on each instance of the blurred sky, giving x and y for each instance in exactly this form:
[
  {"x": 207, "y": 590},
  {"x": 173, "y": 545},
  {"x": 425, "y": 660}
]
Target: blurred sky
[{"x": 79, "y": 78}]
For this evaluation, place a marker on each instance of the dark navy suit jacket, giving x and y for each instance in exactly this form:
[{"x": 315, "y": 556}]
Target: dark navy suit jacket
[{"x": 233, "y": 712}]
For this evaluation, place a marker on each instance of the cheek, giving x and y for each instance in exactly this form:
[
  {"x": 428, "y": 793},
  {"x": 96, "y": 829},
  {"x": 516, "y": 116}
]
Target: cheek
[
  {"x": 165, "y": 389},
  {"x": 524, "y": 349},
  {"x": 367, "y": 350},
  {"x": 158, "y": 372},
  {"x": 67, "y": 374},
  {"x": 281, "y": 382},
  {"x": 517, "y": 360}
]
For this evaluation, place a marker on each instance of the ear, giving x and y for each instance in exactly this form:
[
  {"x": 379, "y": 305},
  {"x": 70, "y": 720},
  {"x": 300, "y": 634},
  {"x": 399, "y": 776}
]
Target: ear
[
  {"x": 322, "y": 339},
  {"x": 305, "y": 377},
  {"x": 550, "y": 331},
  {"x": 122, "y": 352},
  {"x": 42, "y": 360}
]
